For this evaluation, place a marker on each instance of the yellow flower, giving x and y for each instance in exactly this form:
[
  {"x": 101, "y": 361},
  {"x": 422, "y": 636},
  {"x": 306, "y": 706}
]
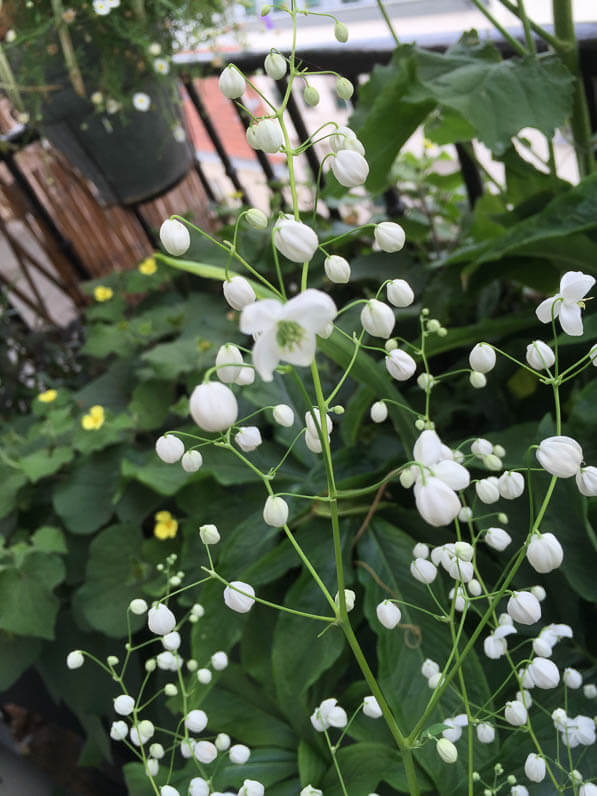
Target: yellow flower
[
  {"x": 148, "y": 266},
  {"x": 165, "y": 525},
  {"x": 48, "y": 396},
  {"x": 94, "y": 419},
  {"x": 102, "y": 293}
]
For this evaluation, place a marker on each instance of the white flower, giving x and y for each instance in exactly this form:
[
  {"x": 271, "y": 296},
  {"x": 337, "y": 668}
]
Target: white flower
[
  {"x": 267, "y": 135},
  {"x": 435, "y": 496},
  {"x": 161, "y": 66},
  {"x": 101, "y": 7},
  {"x": 241, "y": 603},
  {"x": 337, "y": 269},
  {"x": 251, "y": 787},
  {"x": 198, "y": 787},
  {"x": 494, "y": 647},
  {"x": 482, "y": 358},
  {"x": 311, "y": 791},
  {"x": 400, "y": 293},
  {"x": 345, "y": 138},
  {"x": 524, "y": 608},
  {"x": 519, "y": 790},
  {"x": 222, "y": 742},
  {"x": 157, "y": 751},
  {"x": 497, "y": 538},
  {"x": 238, "y": 292},
  {"x": 191, "y": 461},
  {"x": 588, "y": 789},
  {"x": 459, "y": 597},
  {"x": 446, "y": 750},
  {"x": 421, "y": 550},
  {"x": 349, "y": 599},
  {"x": 205, "y": 752},
  {"x": 283, "y": 415},
  {"x": 160, "y": 619},
  {"x": 239, "y": 754},
  {"x": 572, "y": 678},
  {"x": 485, "y": 732},
  {"x": 275, "y": 511},
  {"x": 423, "y": 570},
  {"x": 586, "y": 481},
  {"x": 75, "y": 659},
  {"x": 477, "y": 380},
  {"x": 119, "y": 730},
  {"x": 566, "y": 305},
  {"x": 511, "y": 485},
  {"x": 534, "y": 768},
  {"x": 295, "y": 240},
  {"x": 429, "y": 668},
  {"x": 544, "y": 553},
  {"x": 175, "y": 237},
  {"x": 314, "y": 424},
  {"x": 275, "y": 66},
  {"x": 579, "y": 730},
  {"x": 228, "y": 363},
  {"x": 286, "y": 331},
  {"x": 213, "y": 406},
  {"x": 560, "y": 456},
  {"x": 154, "y": 48},
  {"x": 143, "y": 733},
  {"x": 204, "y": 676},
  {"x": 539, "y": 355},
  {"x": 590, "y": 690},
  {"x": 475, "y": 588},
  {"x": 232, "y": 84},
  {"x": 388, "y": 614},
  {"x": 371, "y": 707},
  {"x": 248, "y": 438},
  {"x": 169, "y": 448},
  {"x": 515, "y": 713},
  {"x": 196, "y": 721},
  {"x": 219, "y": 661},
  {"x": 172, "y": 641},
  {"x": 455, "y": 725},
  {"x": 390, "y": 237},
  {"x": 400, "y": 365},
  {"x": 328, "y": 714},
  {"x": 141, "y": 101},
  {"x": 378, "y": 412},
  {"x": 377, "y": 319},
  {"x": 349, "y": 168},
  {"x": 487, "y": 489},
  {"x": 544, "y": 672},
  {"x": 209, "y": 534}
]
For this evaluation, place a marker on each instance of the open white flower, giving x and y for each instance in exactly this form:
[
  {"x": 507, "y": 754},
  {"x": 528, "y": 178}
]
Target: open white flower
[
  {"x": 566, "y": 305},
  {"x": 435, "y": 492},
  {"x": 286, "y": 331}
]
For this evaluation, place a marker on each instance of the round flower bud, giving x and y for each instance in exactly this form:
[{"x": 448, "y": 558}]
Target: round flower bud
[
  {"x": 349, "y": 599},
  {"x": 119, "y": 730},
  {"x": 572, "y": 678},
  {"x": 256, "y": 218},
  {"x": 239, "y": 754},
  {"x": 464, "y": 551},
  {"x": 544, "y": 672},
  {"x": 187, "y": 746},
  {"x": 590, "y": 690},
  {"x": 311, "y": 96},
  {"x": 588, "y": 789},
  {"x": 390, "y": 237},
  {"x": 241, "y": 603},
  {"x": 311, "y": 791},
  {"x": 191, "y": 461},
  {"x": 400, "y": 293},
  {"x": 349, "y": 168},
  {"x": 524, "y": 608},
  {"x": 238, "y": 292},
  {"x": 275, "y": 511},
  {"x": 228, "y": 362},
  {"x": 371, "y": 708},
  {"x": 205, "y": 752},
  {"x": 175, "y": 237},
  {"x": 446, "y": 750},
  {"x": 232, "y": 84},
  {"x": 487, "y": 490},
  {"x": 400, "y": 365},
  {"x": 204, "y": 676},
  {"x": 75, "y": 659},
  {"x": 209, "y": 534},
  {"x": 124, "y": 705},
  {"x": 275, "y": 66},
  {"x": 477, "y": 380},
  {"x": 519, "y": 790},
  {"x": 337, "y": 269},
  {"x": 172, "y": 641},
  {"x": 222, "y": 742},
  {"x": 198, "y": 787},
  {"x": 169, "y": 448},
  {"x": 586, "y": 481},
  {"x": 544, "y": 553},
  {"x": 344, "y": 88},
  {"x": 494, "y": 647},
  {"x": 423, "y": 570},
  {"x": 268, "y": 135},
  {"x": 465, "y": 514},
  {"x": 161, "y": 620},
  {"x": 542, "y": 647},
  {"x": 213, "y": 406},
  {"x": 539, "y": 355},
  {"x": 170, "y": 689},
  {"x": 420, "y": 550},
  {"x": 434, "y": 680},
  {"x": 295, "y": 240},
  {"x": 283, "y": 415},
  {"x": 388, "y": 614},
  {"x": 515, "y": 713},
  {"x": 219, "y": 661},
  {"x": 196, "y": 721},
  {"x": 248, "y": 438},
  {"x": 251, "y": 787},
  {"x": 138, "y": 606},
  {"x": 341, "y": 32},
  {"x": 378, "y": 412},
  {"x": 497, "y": 538},
  {"x": 534, "y": 768},
  {"x": 560, "y": 456},
  {"x": 482, "y": 358},
  {"x": 485, "y": 732},
  {"x": 511, "y": 485},
  {"x": 429, "y": 668}
]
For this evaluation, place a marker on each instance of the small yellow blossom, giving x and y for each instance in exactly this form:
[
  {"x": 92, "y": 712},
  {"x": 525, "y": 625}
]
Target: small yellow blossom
[
  {"x": 102, "y": 293},
  {"x": 148, "y": 266},
  {"x": 94, "y": 419},
  {"x": 48, "y": 396},
  {"x": 165, "y": 525}
]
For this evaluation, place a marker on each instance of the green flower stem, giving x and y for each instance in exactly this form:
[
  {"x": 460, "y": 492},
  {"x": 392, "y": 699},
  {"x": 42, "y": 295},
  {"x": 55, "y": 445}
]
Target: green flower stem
[
  {"x": 335, "y": 761},
  {"x": 541, "y": 32},
  {"x": 349, "y": 367},
  {"x": 516, "y": 45},
  {"x": 68, "y": 51},
  {"x": 388, "y": 22},
  {"x": 528, "y": 35},
  {"x": 277, "y": 263},
  {"x": 9, "y": 83}
]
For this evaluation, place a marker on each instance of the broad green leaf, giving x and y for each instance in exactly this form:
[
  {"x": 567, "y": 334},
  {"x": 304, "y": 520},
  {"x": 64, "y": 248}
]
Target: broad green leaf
[
  {"x": 113, "y": 430},
  {"x": 168, "y": 361},
  {"x": 45, "y": 462},
  {"x": 112, "y": 389},
  {"x": 104, "y": 339},
  {"x": 11, "y": 481},
  {"x": 447, "y": 126},
  {"x": 150, "y": 403},
  {"x": 268, "y": 765},
  {"x": 28, "y": 605},
  {"x": 491, "y": 329},
  {"x": 363, "y": 767},
  {"x": 17, "y": 653},
  {"x": 311, "y": 764},
  {"x": 49, "y": 540}
]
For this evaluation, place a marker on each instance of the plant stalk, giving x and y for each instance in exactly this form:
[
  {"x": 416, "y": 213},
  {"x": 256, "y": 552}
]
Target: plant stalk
[{"x": 70, "y": 59}]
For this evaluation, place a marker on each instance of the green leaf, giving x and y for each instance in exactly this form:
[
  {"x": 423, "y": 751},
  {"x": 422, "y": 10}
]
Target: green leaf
[
  {"x": 49, "y": 540},
  {"x": 104, "y": 339},
  {"x": 268, "y": 765},
  {"x": 168, "y": 361},
  {"x": 165, "y": 479},
  {"x": 112, "y": 389},
  {"x": 447, "y": 126},
  {"x": 311, "y": 764},
  {"x": 17, "y": 653},
  {"x": 11, "y": 481},
  {"x": 45, "y": 462},
  {"x": 151, "y": 402},
  {"x": 28, "y": 606},
  {"x": 363, "y": 767}
]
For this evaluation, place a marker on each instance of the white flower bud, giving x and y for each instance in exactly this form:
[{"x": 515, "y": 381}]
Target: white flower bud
[
  {"x": 560, "y": 456},
  {"x": 497, "y": 538},
  {"x": 341, "y": 32},
  {"x": 400, "y": 365},
  {"x": 349, "y": 599},
  {"x": 205, "y": 752},
  {"x": 228, "y": 362},
  {"x": 544, "y": 673},
  {"x": 492, "y": 462},
  {"x": 283, "y": 415},
  {"x": 337, "y": 269},
  {"x": 544, "y": 553},
  {"x": 539, "y": 355},
  {"x": 169, "y": 448},
  {"x": 539, "y": 592},
  {"x": 421, "y": 550},
  {"x": 172, "y": 641},
  {"x": 209, "y": 534},
  {"x": 268, "y": 135},
  {"x": 204, "y": 676},
  {"x": 429, "y": 668},
  {"x": 191, "y": 461},
  {"x": 572, "y": 678},
  {"x": 487, "y": 490},
  {"x": 256, "y": 218},
  {"x": 481, "y": 447},
  {"x": 378, "y": 412},
  {"x": 525, "y": 697},
  {"x": 344, "y": 88},
  {"x": 232, "y": 84},
  {"x": 275, "y": 66},
  {"x": 311, "y": 791},
  {"x": 388, "y": 614},
  {"x": 494, "y": 647},
  {"x": 423, "y": 570},
  {"x": 390, "y": 237},
  {"x": 515, "y": 713},
  {"x": 345, "y": 138},
  {"x": 485, "y": 732},
  {"x": 295, "y": 240},
  {"x": 349, "y": 168},
  {"x": 586, "y": 481},
  {"x": 150, "y": 665},
  {"x": 175, "y": 237},
  {"x": 251, "y": 787},
  {"x": 378, "y": 319},
  {"x": 459, "y": 596},
  {"x": 222, "y": 742},
  {"x": 311, "y": 96},
  {"x": 464, "y": 551},
  {"x": 157, "y": 751},
  {"x": 400, "y": 293},
  {"x": 239, "y": 754},
  {"x": 519, "y": 790},
  {"x": 138, "y": 606},
  {"x": 124, "y": 705},
  {"x": 446, "y": 750},
  {"x": 196, "y": 721},
  {"x": 371, "y": 708},
  {"x": 161, "y": 620},
  {"x": 534, "y": 768},
  {"x": 248, "y": 438},
  {"x": 241, "y": 603},
  {"x": 119, "y": 730},
  {"x": 590, "y": 690},
  {"x": 187, "y": 746},
  {"x": 436, "y": 502},
  {"x": 75, "y": 659},
  {"x": 275, "y": 511},
  {"x": 593, "y": 354},
  {"x": 434, "y": 680},
  {"x": 542, "y": 647},
  {"x": 524, "y": 608},
  {"x": 245, "y": 377},
  {"x": 482, "y": 358},
  {"x": 511, "y": 485},
  {"x": 465, "y": 514},
  {"x": 477, "y": 380},
  {"x": 198, "y": 787},
  {"x": 213, "y": 406},
  {"x": 170, "y": 689},
  {"x": 474, "y": 588},
  {"x": 238, "y": 292}
]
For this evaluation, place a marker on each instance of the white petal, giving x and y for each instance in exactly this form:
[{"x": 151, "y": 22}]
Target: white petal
[
  {"x": 260, "y": 315},
  {"x": 313, "y": 309},
  {"x": 428, "y": 448},
  {"x": 451, "y": 473},
  {"x": 436, "y": 502},
  {"x": 574, "y": 285},
  {"x": 300, "y": 353},
  {"x": 266, "y": 354},
  {"x": 570, "y": 318},
  {"x": 544, "y": 310}
]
